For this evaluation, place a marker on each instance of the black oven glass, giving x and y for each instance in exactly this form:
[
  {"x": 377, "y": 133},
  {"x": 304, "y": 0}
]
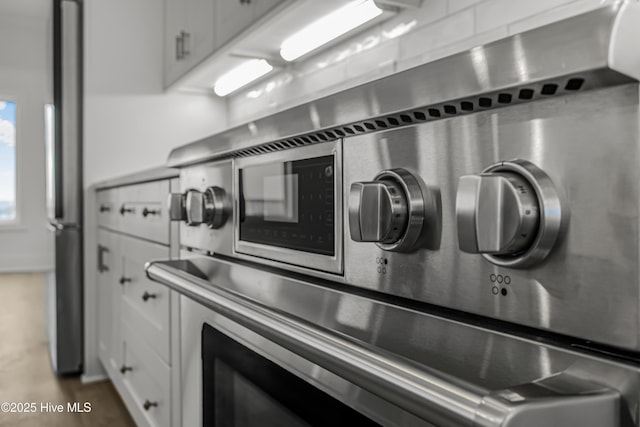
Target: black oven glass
[
  {"x": 241, "y": 388},
  {"x": 289, "y": 204}
]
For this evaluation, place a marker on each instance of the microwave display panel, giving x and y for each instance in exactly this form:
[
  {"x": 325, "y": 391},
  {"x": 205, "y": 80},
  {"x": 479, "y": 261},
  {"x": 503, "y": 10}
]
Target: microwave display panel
[{"x": 289, "y": 204}]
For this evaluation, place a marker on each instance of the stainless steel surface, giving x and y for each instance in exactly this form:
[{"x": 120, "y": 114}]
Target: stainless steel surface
[
  {"x": 377, "y": 211},
  {"x": 564, "y": 138},
  {"x": 200, "y": 178},
  {"x": 390, "y": 211},
  {"x": 570, "y": 119},
  {"x": 553, "y": 214},
  {"x": 407, "y": 369},
  {"x": 199, "y": 208},
  {"x": 221, "y": 207},
  {"x": 67, "y": 153},
  {"x": 328, "y": 263},
  {"x": 497, "y": 213},
  {"x": 64, "y": 303},
  {"x": 588, "y": 48},
  {"x": 419, "y": 209},
  {"x": 65, "y": 286},
  {"x": 177, "y": 207}
]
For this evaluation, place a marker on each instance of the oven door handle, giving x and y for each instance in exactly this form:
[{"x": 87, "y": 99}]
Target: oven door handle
[{"x": 432, "y": 395}]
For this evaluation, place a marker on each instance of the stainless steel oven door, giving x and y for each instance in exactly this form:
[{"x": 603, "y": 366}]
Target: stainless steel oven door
[
  {"x": 288, "y": 206},
  {"x": 394, "y": 365}
]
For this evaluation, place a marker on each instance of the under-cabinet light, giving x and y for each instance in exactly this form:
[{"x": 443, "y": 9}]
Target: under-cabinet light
[
  {"x": 328, "y": 28},
  {"x": 241, "y": 76}
]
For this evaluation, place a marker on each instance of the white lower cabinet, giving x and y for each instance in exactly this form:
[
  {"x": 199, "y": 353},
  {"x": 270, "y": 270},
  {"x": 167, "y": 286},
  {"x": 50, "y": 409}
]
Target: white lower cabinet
[
  {"x": 136, "y": 316},
  {"x": 147, "y": 380},
  {"x": 145, "y": 304}
]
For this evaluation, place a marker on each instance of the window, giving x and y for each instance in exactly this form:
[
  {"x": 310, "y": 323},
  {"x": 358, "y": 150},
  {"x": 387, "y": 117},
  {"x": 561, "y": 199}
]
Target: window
[{"x": 7, "y": 161}]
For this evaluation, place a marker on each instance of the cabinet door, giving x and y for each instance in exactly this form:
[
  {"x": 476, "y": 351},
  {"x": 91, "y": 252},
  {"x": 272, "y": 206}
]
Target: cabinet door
[
  {"x": 189, "y": 35},
  {"x": 232, "y": 17},
  {"x": 145, "y": 304},
  {"x": 109, "y": 296},
  {"x": 262, "y": 7},
  {"x": 147, "y": 380},
  {"x": 174, "y": 24},
  {"x": 200, "y": 41},
  {"x": 144, "y": 210}
]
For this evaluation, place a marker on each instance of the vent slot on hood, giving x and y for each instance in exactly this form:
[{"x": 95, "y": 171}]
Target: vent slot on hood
[{"x": 484, "y": 102}]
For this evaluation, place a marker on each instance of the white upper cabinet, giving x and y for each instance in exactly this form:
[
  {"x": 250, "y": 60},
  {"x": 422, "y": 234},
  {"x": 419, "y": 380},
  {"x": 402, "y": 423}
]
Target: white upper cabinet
[
  {"x": 189, "y": 35},
  {"x": 197, "y": 30},
  {"x": 263, "y": 6},
  {"x": 232, "y": 17}
]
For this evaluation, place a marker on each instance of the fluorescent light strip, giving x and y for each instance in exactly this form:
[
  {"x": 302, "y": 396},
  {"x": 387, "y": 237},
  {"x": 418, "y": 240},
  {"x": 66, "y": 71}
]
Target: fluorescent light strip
[
  {"x": 328, "y": 28},
  {"x": 241, "y": 76}
]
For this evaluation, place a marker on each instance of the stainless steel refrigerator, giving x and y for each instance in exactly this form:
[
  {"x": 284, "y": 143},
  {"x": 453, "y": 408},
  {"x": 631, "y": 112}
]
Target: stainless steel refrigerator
[{"x": 63, "y": 141}]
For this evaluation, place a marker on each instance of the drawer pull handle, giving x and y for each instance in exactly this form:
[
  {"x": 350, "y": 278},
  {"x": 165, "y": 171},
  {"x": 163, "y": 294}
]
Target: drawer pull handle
[
  {"x": 147, "y": 295},
  {"x": 149, "y": 404},
  {"x": 124, "y": 210},
  {"x": 124, "y": 369},
  {"x": 146, "y": 212},
  {"x": 186, "y": 51},
  {"x": 124, "y": 280},
  {"x": 102, "y": 267},
  {"x": 105, "y": 208}
]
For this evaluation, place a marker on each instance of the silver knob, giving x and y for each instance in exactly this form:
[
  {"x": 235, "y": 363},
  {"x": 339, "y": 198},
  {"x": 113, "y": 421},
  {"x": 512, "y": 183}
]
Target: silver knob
[
  {"x": 390, "y": 211},
  {"x": 511, "y": 213},
  {"x": 195, "y": 207},
  {"x": 497, "y": 213},
  {"x": 221, "y": 207},
  {"x": 208, "y": 208},
  {"x": 177, "y": 207},
  {"x": 377, "y": 211}
]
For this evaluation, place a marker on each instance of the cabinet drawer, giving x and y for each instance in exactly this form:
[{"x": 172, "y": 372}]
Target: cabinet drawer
[
  {"x": 143, "y": 210},
  {"x": 145, "y": 304},
  {"x": 107, "y": 208},
  {"x": 147, "y": 380}
]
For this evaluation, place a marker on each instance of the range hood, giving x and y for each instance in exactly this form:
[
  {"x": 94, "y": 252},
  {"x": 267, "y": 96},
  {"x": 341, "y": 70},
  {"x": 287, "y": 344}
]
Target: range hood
[{"x": 588, "y": 51}]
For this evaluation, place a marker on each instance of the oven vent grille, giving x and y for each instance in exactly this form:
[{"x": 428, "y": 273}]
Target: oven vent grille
[{"x": 444, "y": 110}]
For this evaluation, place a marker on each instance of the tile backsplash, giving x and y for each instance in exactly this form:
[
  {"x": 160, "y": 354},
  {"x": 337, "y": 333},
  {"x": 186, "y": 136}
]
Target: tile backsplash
[{"x": 415, "y": 36}]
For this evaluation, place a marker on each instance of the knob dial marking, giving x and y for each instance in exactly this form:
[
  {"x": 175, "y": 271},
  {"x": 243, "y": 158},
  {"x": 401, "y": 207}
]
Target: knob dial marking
[
  {"x": 511, "y": 213},
  {"x": 390, "y": 211},
  {"x": 209, "y": 208}
]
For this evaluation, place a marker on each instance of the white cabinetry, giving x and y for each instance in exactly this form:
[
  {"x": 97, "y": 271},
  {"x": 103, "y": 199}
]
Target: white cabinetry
[
  {"x": 196, "y": 30},
  {"x": 232, "y": 17},
  {"x": 135, "y": 315},
  {"x": 189, "y": 35}
]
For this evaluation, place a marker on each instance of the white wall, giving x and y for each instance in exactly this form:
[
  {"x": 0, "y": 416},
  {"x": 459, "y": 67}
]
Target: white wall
[
  {"x": 437, "y": 29},
  {"x": 130, "y": 122},
  {"x": 24, "y": 76}
]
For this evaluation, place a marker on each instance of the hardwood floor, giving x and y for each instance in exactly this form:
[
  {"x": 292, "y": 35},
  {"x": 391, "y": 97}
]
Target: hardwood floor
[{"x": 25, "y": 370}]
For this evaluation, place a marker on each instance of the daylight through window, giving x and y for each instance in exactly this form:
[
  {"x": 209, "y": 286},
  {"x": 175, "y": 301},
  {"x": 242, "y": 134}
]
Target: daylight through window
[{"x": 7, "y": 160}]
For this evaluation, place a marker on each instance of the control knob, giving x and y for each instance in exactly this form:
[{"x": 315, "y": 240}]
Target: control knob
[
  {"x": 194, "y": 207},
  {"x": 177, "y": 207},
  {"x": 511, "y": 213},
  {"x": 389, "y": 211},
  {"x": 380, "y": 211},
  {"x": 497, "y": 213}
]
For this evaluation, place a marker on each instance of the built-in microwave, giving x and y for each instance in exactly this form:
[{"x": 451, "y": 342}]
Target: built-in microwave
[{"x": 288, "y": 206}]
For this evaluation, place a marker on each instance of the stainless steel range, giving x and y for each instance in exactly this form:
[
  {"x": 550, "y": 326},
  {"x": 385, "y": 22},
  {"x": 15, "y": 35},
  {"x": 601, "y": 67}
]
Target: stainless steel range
[{"x": 457, "y": 244}]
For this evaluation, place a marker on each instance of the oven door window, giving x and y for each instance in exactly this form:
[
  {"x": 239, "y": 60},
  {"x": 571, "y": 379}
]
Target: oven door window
[
  {"x": 289, "y": 205},
  {"x": 243, "y": 389}
]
